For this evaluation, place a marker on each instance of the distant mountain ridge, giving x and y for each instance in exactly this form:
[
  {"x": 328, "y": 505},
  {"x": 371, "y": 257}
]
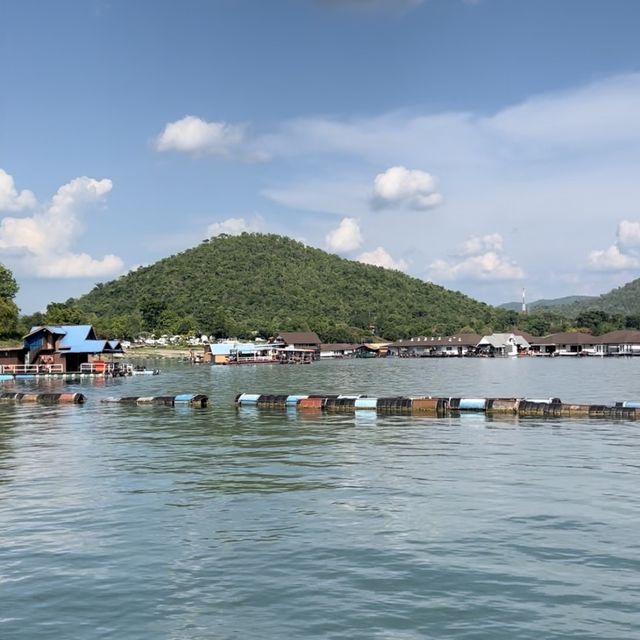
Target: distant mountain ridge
[
  {"x": 547, "y": 303},
  {"x": 240, "y": 285}
]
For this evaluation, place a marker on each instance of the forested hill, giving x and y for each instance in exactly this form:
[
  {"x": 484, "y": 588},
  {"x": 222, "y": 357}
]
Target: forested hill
[
  {"x": 239, "y": 285},
  {"x": 624, "y": 300}
]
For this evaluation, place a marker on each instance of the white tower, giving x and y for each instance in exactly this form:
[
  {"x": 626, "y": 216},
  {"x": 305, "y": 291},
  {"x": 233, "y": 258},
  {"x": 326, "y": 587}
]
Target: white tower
[{"x": 524, "y": 303}]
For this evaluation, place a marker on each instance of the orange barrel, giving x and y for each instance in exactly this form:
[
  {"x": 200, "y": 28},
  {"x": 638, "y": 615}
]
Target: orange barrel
[
  {"x": 433, "y": 406},
  {"x": 29, "y": 397},
  {"x": 99, "y": 366},
  {"x": 72, "y": 398},
  {"x": 311, "y": 404},
  {"x": 502, "y": 405}
]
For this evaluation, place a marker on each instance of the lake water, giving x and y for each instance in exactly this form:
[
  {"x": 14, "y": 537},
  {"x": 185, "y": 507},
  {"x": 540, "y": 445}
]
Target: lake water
[{"x": 189, "y": 524}]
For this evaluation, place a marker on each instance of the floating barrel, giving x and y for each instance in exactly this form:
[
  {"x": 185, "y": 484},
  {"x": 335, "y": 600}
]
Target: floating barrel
[
  {"x": 292, "y": 401},
  {"x": 433, "y": 406},
  {"x": 193, "y": 400},
  {"x": 629, "y": 405},
  {"x": 247, "y": 399},
  {"x": 272, "y": 401},
  {"x": 341, "y": 403},
  {"x": 530, "y": 408},
  {"x": 472, "y": 404},
  {"x": 502, "y": 405},
  {"x": 311, "y": 404},
  {"x": 43, "y": 398},
  {"x": 388, "y": 404},
  {"x": 366, "y": 403}
]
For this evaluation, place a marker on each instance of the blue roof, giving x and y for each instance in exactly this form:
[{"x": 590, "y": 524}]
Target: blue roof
[{"x": 79, "y": 338}]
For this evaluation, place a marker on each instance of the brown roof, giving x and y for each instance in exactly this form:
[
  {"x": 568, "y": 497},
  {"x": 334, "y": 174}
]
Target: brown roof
[
  {"x": 337, "y": 346},
  {"x": 463, "y": 339},
  {"x": 568, "y": 337},
  {"x": 624, "y": 336},
  {"x": 299, "y": 337}
]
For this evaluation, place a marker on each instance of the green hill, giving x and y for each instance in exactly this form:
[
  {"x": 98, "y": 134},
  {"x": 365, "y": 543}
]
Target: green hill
[
  {"x": 624, "y": 300},
  {"x": 255, "y": 283}
]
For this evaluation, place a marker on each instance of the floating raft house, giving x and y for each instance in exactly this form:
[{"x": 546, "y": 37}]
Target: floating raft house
[{"x": 524, "y": 407}]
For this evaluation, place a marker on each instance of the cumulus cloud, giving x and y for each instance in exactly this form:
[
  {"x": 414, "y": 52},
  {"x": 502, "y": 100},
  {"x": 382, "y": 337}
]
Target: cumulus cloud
[
  {"x": 345, "y": 237},
  {"x": 234, "y": 226},
  {"x": 194, "y": 135},
  {"x": 628, "y": 234},
  {"x": 399, "y": 186},
  {"x": 624, "y": 254},
  {"x": 480, "y": 259},
  {"x": 381, "y": 258},
  {"x": 612, "y": 259},
  {"x": 42, "y": 244},
  {"x": 480, "y": 244},
  {"x": 10, "y": 198}
]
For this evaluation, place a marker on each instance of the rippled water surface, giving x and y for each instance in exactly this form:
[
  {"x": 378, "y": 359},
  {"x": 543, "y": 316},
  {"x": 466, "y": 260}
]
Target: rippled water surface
[{"x": 154, "y": 522}]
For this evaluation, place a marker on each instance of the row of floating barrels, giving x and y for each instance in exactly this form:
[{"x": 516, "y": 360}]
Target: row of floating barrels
[
  {"x": 42, "y": 398},
  {"x": 190, "y": 400},
  {"x": 186, "y": 399},
  {"x": 536, "y": 407}
]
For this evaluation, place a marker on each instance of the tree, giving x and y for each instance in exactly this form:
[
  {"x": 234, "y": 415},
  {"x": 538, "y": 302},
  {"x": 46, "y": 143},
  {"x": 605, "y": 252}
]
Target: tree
[
  {"x": 8, "y": 285},
  {"x": 8, "y": 308}
]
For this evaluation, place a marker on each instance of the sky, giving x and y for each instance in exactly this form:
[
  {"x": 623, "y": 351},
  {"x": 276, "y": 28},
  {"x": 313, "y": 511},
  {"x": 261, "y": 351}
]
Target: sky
[{"x": 484, "y": 145}]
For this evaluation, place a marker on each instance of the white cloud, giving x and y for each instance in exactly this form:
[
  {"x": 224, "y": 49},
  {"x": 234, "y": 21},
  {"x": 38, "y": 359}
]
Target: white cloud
[
  {"x": 346, "y": 237},
  {"x": 194, "y": 135},
  {"x": 628, "y": 234},
  {"x": 41, "y": 244},
  {"x": 10, "y": 198},
  {"x": 480, "y": 244},
  {"x": 381, "y": 258},
  {"x": 405, "y": 187},
  {"x": 234, "y": 226},
  {"x": 603, "y": 111},
  {"x": 612, "y": 259},
  {"x": 482, "y": 260},
  {"x": 624, "y": 254}
]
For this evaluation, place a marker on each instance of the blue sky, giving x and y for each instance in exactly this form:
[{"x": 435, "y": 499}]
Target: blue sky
[{"x": 486, "y": 145}]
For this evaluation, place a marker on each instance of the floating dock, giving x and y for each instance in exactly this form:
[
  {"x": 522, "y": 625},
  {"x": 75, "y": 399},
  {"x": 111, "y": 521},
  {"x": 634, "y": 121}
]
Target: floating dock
[{"x": 440, "y": 407}]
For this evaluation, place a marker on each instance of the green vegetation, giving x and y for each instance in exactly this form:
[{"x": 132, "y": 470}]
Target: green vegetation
[
  {"x": 623, "y": 301},
  {"x": 8, "y": 308},
  {"x": 257, "y": 284}
]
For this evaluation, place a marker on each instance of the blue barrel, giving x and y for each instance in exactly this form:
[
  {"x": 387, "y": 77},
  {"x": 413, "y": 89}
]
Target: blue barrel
[
  {"x": 633, "y": 404},
  {"x": 472, "y": 404},
  {"x": 366, "y": 403},
  {"x": 292, "y": 401},
  {"x": 248, "y": 398},
  {"x": 5, "y": 376}
]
